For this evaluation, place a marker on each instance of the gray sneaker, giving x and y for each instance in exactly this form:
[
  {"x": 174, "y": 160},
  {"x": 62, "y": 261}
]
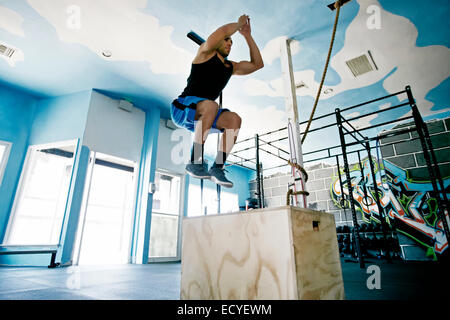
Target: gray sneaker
[
  {"x": 198, "y": 170},
  {"x": 218, "y": 176}
]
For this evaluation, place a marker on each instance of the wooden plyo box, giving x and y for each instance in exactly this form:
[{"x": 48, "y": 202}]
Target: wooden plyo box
[{"x": 276, "y": 253}]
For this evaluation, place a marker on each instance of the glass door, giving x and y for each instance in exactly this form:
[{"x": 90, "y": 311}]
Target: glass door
[
  {"x": 166, "y": 212},
  {"x": 105, "y": 228}
]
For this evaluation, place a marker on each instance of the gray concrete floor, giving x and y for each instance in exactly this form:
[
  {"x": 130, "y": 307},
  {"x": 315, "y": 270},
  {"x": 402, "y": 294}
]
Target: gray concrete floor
[
  {"x": 161, "y": 281},
  {"x": 158, "y": 281}
]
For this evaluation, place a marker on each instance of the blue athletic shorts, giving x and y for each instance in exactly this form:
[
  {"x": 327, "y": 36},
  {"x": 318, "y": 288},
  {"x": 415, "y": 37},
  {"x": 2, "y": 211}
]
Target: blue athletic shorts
[{"x": 183, "y": 110}]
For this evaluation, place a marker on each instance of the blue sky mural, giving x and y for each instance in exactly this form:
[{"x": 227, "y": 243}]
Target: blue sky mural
[{"x": 60, "y": 48}]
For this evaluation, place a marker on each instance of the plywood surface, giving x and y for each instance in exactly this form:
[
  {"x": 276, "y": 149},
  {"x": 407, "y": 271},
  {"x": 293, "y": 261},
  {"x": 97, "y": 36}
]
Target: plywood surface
[
  {"x": 261, "y": 254},
  {"x": 318, "y": 265}
]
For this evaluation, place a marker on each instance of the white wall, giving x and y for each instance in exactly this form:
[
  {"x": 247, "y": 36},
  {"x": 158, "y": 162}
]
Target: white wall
[
  {"x": 174, "y": 148},
  {"x": 112, "y": 130}
]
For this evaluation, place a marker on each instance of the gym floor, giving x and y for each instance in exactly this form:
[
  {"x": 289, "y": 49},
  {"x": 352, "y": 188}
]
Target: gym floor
[{"x": 399, "y": 280}]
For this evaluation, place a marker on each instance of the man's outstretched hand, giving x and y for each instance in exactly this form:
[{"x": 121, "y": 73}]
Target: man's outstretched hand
[
  {"x": 246, "y": 29},
  {"x": 242, "y": 20}
]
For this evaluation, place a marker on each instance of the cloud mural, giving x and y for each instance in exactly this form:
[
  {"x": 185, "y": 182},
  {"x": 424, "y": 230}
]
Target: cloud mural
[
  {"x": 120, "y": 28},
  {"x": 11, "y": 21},
  {"x": 271, "y": 51},
  {"x": 150, "y": 55},
  {"x": 392, "y": 46}
]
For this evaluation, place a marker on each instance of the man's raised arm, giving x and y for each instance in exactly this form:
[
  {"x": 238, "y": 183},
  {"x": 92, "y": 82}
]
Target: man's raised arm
[
  {"x": 256, "y": 61},
  {"x": 214, "y": 40}
]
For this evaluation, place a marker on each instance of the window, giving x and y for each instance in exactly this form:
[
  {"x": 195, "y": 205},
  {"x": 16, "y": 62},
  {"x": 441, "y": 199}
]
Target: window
[
  {"x": 41, "y": 197},
  {"x": 166, "y": 198},
  {"x": 5, "y": 147},
  {"x": 229, "y": 202},
  {"x": 209, "y": 200}
]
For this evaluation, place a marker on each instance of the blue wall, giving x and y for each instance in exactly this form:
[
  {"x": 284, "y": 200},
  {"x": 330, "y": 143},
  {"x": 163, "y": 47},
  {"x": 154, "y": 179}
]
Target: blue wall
[
  {"x": 241, "y": 178},
  {"x": 60, "y": 118},
  {"x": 27, "y": 120},
  {"x": 16, "y": 115}
]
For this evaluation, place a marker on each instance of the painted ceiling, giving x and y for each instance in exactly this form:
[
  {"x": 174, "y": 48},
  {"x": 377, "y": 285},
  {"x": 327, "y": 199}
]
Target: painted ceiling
[{"x": 138, "y": 50}]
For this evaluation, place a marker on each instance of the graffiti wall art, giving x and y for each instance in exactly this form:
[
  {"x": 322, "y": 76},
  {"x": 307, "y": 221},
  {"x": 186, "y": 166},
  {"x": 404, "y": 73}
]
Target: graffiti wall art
[{"x": 408, "y": 206}]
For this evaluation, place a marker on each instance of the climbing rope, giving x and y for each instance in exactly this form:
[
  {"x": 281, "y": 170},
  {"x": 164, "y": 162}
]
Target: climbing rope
[
  {"x": 300, "y": 168},
  {"x": 338, "y": 7}
]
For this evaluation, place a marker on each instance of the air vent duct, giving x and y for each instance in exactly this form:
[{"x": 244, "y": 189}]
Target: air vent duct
[
  {"x": 6, "y": 51},
  {"x": 362, "y": 64}
]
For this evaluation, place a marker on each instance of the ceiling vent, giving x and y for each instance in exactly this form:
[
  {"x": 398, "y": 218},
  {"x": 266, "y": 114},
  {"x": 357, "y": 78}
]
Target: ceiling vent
[
  {"x": 362, "y": 64},
  {"x": 6, "y": 51}
]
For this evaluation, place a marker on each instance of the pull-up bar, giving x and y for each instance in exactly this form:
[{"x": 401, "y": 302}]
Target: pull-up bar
[{"x": 195, "y": 37}]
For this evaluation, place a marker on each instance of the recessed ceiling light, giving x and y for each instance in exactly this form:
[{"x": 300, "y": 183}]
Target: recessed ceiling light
[
  {"x": 106, "y": 53},
  {"x": 327, "y": 91}
]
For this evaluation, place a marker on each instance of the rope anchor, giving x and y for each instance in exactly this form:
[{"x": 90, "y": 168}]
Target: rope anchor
[
  {"x": 292, "y": 192},
  {"x": 300, "y": 168}
]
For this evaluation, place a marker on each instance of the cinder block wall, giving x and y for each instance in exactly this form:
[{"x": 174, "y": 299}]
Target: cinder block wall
[
  {"x": 275, "y": 189},
  {"x": 407, "y": 153},
  {"x": 320, "y": 178}
]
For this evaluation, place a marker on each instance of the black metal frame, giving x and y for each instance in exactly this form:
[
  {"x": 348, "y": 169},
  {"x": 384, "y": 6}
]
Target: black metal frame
[
  {"x": 256, "y": 160},
  {"x": 346, "y": 129}
]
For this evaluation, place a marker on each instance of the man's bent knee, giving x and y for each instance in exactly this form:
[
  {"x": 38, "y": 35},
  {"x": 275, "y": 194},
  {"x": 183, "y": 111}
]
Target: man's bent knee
[
  {"x": 236, "y": 121},
  {"x": 207, "y": 107}
]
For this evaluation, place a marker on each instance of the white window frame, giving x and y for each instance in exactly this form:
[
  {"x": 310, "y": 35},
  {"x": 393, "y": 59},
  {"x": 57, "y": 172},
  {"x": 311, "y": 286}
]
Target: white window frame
[
  {"x": 4, "y": 159},
  {"x": 24, "y": 172}
]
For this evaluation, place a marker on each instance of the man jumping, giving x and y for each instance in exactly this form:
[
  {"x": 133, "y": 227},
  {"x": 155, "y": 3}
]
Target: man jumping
[{"x": 196, "y": 110}]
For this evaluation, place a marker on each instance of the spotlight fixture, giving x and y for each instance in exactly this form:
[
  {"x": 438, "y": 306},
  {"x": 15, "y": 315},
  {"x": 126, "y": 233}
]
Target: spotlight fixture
[
  {"x": 106, "y": 53},
  {"x": 327, "y": 91}
]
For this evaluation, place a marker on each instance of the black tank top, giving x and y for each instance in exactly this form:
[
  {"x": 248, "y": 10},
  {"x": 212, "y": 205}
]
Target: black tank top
[{"x": 208, "y": 79}]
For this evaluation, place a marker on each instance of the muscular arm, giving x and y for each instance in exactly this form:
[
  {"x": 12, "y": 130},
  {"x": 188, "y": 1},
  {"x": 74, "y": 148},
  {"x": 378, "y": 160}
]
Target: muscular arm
[{"x": 256, "y": 61}]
